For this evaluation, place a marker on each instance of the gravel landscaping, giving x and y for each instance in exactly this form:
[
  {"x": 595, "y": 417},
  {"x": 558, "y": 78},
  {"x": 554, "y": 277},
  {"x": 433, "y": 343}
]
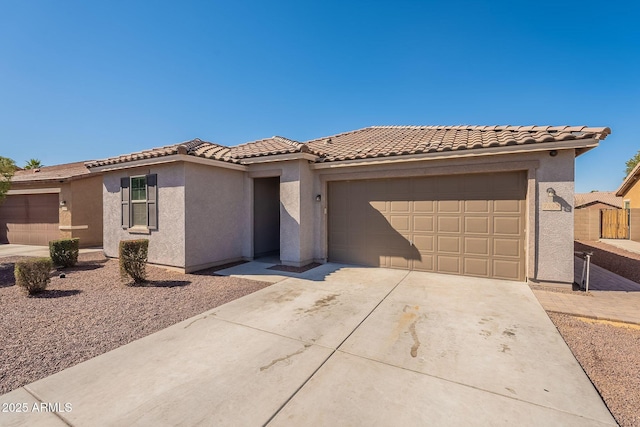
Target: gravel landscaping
[
  {"x": 91, "y": 312},
  {"x": 610, "y": 355},
  {"x": 616, "y": 260}
]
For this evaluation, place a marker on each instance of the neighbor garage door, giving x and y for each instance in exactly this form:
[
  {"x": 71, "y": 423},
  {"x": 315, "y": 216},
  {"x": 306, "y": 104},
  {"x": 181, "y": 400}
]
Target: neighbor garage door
[
  {"x": 29, "y": 219},
  {"x": 458, "y": 224}
]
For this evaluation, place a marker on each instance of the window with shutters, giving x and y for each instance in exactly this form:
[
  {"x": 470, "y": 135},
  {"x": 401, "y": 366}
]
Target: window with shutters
[{"x": 139, "y": 202}]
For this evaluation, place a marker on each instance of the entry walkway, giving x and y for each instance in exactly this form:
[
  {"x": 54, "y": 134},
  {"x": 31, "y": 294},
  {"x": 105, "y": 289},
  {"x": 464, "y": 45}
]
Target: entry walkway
[{"x": 337, "y": 345}]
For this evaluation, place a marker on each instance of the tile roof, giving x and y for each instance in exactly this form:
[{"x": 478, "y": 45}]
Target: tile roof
[
  {"x": 195, "y": 147},
  {"x": 382, "y": 141},
  {"x": 51, "y": 173},
  {"x": 376, "y": 141},
  {"x": 266, "y": 147},
  {"x": 606, "y": 197}
]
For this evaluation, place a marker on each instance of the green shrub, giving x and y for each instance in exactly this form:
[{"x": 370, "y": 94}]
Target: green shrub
[
  {"x": 64, "y": 252},
  {"x": 33, "y": 274},
  {"x": 133, "y": 259}
]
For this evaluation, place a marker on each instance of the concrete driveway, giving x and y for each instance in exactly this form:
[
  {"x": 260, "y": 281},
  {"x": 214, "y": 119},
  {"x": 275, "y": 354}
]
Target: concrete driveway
[{"x": 337, "y": 345}]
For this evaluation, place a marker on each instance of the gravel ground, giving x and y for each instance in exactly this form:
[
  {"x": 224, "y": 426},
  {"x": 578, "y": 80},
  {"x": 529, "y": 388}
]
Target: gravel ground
[
  {"x": 610, "y": 355},
  {"x": 91, "y": 312},
  {"x": 616, "y": 260}
]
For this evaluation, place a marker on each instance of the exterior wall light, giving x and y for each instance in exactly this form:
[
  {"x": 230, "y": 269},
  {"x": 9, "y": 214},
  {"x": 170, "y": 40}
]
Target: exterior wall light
[
  {"x": 63, "y": 203},
  {"x": 551, "y": 193},
  {"x": 318, "y": 198},
  {"x": 553, "y": 153}
]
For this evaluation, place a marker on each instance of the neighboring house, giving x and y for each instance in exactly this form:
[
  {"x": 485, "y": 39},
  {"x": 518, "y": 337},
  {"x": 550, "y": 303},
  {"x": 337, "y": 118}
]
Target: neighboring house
[
  {"x": 486, "y": 201},
  {"x": 587, "y": 221},
  {"x": 598, "y": 200},
  {"x": 629, "y": 190},
  {"x": 50, "y": 203}
]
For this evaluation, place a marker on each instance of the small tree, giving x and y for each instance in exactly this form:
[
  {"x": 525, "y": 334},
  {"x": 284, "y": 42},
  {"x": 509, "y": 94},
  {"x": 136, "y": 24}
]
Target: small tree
[
  {"x": 33, "y": 164},
  {"x": 631, "y": 163},
  {"x": 7, "y": 168}
]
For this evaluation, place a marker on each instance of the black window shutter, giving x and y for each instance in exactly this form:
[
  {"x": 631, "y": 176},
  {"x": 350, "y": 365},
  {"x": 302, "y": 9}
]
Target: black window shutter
[
  {"x": 124, "y": 199},
  {"x": 152, "y": 201}
]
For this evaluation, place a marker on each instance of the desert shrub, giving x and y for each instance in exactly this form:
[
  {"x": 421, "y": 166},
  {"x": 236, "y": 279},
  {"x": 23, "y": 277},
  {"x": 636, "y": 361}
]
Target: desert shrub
[
  {"x": 133, "y": 259},
  {"x": 33, "y": 274},
  {"x": 64, "y": 252}
]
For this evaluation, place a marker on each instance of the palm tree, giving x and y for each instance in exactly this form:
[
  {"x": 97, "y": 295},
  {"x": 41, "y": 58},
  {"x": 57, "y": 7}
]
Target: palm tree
[{"x": 33, "y": 164}]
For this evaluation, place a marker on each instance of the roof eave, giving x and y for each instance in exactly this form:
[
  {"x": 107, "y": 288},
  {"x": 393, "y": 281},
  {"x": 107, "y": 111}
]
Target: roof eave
[
  {"x": 511, "y": 149},
  {"x": 278, "y": 158},
  {"x": 629, "y": 181},
  {"x": 172, "y": 158}
]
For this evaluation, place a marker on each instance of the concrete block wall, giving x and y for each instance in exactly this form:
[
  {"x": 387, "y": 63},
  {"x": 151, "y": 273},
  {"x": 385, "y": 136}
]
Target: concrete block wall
[{"x": 587, "y": 224}]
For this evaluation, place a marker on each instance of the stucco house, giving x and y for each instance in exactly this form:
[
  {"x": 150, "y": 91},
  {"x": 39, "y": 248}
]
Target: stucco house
[
  {"x": 53, "y": 202},
  {"x": 598, "y": 200},
  {"x": 486, "y": 201},
  {"x": 629, "y": 190}
]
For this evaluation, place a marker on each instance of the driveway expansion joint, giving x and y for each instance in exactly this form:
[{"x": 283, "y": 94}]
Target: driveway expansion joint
[
  {"x": 334, "y": 350},
  {"x": 56, "y": 414}
]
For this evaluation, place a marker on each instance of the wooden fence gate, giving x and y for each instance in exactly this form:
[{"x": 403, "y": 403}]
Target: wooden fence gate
[{"x": 614, "y": 223}]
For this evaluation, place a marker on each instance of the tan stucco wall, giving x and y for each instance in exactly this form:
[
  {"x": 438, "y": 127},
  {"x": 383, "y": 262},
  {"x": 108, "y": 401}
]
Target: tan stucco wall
[
  {"x": 214, "y": 226},
  {"x": 167, "y": 243},
  {"x": 633, "y": 194},
  {"x": 85, "y": 206},
  {"x": 213, "y": 219}
]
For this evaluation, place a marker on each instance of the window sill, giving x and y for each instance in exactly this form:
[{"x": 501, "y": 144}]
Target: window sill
[{"x": 139, "y": 229}]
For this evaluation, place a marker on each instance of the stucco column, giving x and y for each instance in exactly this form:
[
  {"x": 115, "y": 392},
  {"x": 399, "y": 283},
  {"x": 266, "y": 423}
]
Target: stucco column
[
  {"x": 296, "y": 213},
  {"x": 555, "y": 227}
]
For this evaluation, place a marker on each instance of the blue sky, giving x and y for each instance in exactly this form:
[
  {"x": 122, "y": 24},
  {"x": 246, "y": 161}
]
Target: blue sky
[{"x": 82, "y": 80}]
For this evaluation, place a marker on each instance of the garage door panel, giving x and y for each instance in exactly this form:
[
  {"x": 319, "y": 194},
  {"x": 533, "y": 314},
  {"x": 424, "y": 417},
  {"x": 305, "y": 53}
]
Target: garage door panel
[
  {"x": 506, "y": 206},
  {"x": 476, "y": 267},
  {"x": 400, "y": 206},
  {"x": 506, "y": 248},
  {"x": 424, "y": 206},
  {"x": 425, "y": 263},
  {"x": 476, "y": 246},
  {"x": 463, "y": 224},
  {"x": 506, "y": 269},
  {"x": 398, "y": 262},
  {"x": 476, "y": 225},
  {"x": 507, "y": 225},
  {"x": 449, "y": 244},
  {"x": 449, "y": 264},
  {"x": 400, "y": 223},
  {"x": 423, "y": 223},
  {"x": 449, "y": 224},
  {"x": 449, "y": 206},
  {"x": 424, "y": 243},
  {"x": 378, "y": 205},
  {"x": 479, "y": 206}
]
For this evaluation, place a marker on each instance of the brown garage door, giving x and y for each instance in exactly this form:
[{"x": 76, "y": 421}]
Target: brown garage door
[
  {"x": 457, "y": 224},
  {"x": 29, "y": 219}
]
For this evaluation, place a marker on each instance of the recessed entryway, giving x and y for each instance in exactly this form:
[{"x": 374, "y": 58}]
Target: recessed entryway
[{"x": 266, "y": 216}]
